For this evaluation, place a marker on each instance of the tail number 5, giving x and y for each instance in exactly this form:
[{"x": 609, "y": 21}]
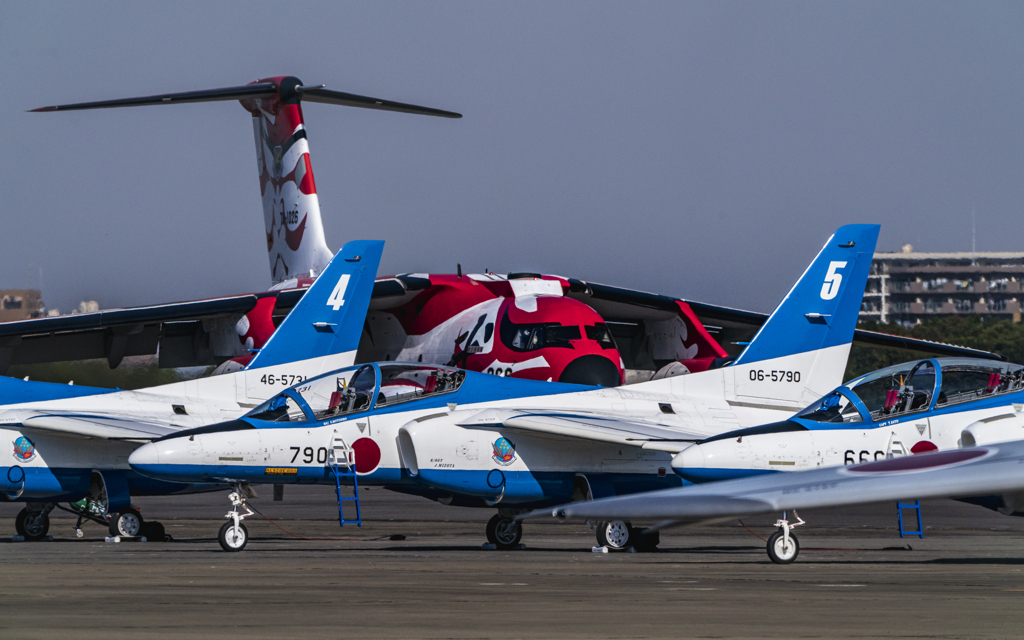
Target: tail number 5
[{"x": 832, "y": 280}]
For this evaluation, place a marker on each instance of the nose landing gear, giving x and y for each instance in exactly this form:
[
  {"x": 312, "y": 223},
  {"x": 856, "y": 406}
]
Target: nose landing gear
[
  {"x": 783, "y": 547},
  {"x": 233, "y": 535}
]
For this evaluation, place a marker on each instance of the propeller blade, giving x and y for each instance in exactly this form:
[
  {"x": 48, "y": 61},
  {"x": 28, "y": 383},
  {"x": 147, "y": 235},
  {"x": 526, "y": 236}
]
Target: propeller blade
[
  {"x": 326, "y": 96},
  {"x": 262, "y": 90}
]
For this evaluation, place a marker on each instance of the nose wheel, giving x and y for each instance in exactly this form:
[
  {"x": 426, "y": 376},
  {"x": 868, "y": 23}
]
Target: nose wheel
[
  {"x": 233, "y": 535},
  {"x": 783, "y": 546}
]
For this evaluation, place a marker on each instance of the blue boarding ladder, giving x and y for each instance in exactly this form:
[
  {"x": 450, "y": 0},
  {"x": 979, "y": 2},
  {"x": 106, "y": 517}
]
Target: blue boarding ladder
[
  {"x": 342, "y": 462},
  {"x": 910, "y": 506}
]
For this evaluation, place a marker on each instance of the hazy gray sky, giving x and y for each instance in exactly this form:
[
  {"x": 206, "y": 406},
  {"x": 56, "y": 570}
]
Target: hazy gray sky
[{"x": 697, "y": 149}]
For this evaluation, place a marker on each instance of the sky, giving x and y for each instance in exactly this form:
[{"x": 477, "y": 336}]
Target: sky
[{"x": 698, "y": 149}]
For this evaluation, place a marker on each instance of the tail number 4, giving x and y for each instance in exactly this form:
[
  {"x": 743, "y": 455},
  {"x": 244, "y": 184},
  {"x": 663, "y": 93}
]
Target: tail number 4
[
  {"x": 830, "y": 288},
  {"x": 337, "y": 298}
]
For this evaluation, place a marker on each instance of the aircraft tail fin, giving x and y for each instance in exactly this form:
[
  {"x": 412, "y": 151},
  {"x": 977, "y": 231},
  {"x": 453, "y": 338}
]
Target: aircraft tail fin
[
  {"x": 800, "y": 353},
  {"x": 328, "y": 321},
  {"x": 291, "y": 210}
]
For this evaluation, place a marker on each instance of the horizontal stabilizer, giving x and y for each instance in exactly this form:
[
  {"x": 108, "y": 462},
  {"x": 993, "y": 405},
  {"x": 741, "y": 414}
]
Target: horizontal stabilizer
[
  {"x": 326, "y": 96},
  {"x": 261, "y": 90},
  {"x": 288, "y": 88}
]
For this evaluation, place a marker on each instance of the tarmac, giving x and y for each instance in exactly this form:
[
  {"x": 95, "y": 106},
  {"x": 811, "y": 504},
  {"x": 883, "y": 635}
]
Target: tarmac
[{"x": 855, "y": 577}]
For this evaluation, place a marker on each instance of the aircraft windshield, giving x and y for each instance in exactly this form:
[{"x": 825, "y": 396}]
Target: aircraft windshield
[
  {"x": 405, "y": 382},
  {"x": 835, "y": 407},
  {"x": 529, "y": 337},
  {"x": 280, "y": 408},
  {"x": 339, "y": 393}
]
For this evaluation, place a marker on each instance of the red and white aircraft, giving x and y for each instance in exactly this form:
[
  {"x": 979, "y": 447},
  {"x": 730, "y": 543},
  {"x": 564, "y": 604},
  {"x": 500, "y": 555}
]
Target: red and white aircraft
[{"x": 523, "y": 325}]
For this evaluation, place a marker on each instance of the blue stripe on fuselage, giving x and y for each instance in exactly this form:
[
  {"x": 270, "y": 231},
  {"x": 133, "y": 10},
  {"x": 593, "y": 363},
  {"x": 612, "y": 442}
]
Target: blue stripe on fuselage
[
  {"x": 66, "y": 484},
  {"x": 699, "y": 476}
]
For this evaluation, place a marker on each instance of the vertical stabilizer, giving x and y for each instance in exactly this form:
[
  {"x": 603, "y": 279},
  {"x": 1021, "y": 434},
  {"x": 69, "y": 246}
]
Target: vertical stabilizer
[
  {"x": 291, "y": 210},
  {"x": 800, "y": 353},
  {"x": 328, "y": 321}
]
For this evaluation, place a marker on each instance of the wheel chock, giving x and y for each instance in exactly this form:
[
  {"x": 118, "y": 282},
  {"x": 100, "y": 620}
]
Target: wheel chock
[
  {"x": 488, "y": 546},
  {"x": 601, "y": 549},
  {"x": 17, "y": 538},
  {"x": 125, "y": 539}
]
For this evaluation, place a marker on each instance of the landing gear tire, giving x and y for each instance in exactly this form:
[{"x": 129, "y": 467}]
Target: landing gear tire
[
  {"x": 32, "y": 525},
  {"x": 781, "y": 553},
  {"x": 126, "y": 523},
  {"x": 229, "y": 541},
  {"x": 504, "y": 532},
  {"x": 617, "y": 535}
]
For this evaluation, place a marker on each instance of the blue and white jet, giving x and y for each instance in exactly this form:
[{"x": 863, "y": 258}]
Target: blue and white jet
[
  {"x": 915, "y": 407},
  {"x": 470, "y": 439},
  {"x": 71, "y": 443}
]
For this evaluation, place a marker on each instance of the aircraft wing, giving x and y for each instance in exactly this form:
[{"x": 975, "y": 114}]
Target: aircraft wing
[
  {"x": 185, "y": 334},
  {"x": 587, "y": 426},
  {"x": 977, "y": 471},
  {"x": 88, "y": 425}
]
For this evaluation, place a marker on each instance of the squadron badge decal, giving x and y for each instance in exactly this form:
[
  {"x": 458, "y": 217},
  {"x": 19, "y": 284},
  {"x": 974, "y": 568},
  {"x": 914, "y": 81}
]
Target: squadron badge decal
[
  {"x": 24, "y": 450},
  {"x": 504, "y": 452}
]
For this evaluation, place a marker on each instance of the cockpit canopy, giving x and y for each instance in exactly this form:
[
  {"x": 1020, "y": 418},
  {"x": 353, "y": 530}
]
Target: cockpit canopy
[
  {"x": 358, "y": 389},
  {"x": 915, "y": 386}
]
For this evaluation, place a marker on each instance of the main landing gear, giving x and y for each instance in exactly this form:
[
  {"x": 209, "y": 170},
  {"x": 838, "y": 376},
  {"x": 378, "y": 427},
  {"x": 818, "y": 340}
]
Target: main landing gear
[
  {"x": 783, "y": 547},
  {"x": 33, "y": 523},
  {"x": 504, "y": 531},
  {"x": 233, "y": 536},
  {"x": 619, "y": 535}
]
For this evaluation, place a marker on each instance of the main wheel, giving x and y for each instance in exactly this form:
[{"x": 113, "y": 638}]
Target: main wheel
[
  {"x": 503, "y": 532},
  {"x": 779, "y": 551},
  {"x": 32, "y": 525},
  {"x": 229, "y": 541},
  {"x": 126, "y": 523},
  {"x": 615, "y": 534}
]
